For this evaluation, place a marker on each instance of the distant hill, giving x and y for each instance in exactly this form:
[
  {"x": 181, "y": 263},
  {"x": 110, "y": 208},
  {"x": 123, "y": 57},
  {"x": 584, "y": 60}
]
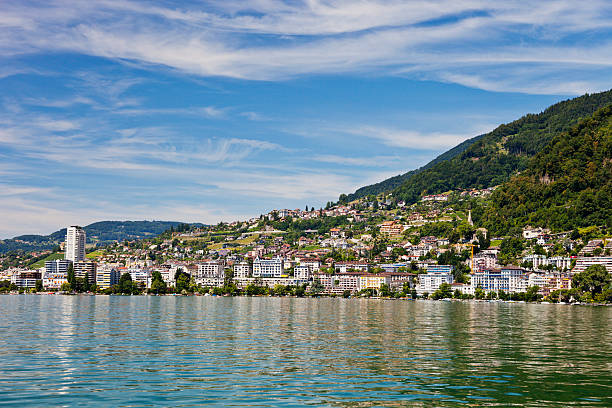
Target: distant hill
[
  {"x": 492, "y": 158},
  {"x": 567, "y": 185},
  {"x": 102, "y": 232}
]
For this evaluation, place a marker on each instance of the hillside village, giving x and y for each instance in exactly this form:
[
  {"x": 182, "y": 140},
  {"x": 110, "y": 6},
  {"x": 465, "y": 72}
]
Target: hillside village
[{"x": 373, "y": 246}]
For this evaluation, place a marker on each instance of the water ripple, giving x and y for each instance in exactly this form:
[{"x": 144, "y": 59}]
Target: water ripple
[{"x": 271, "y": 352}]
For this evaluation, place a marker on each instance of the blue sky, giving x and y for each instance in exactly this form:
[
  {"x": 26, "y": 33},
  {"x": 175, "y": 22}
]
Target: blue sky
[{"x": 210, "y": 111}]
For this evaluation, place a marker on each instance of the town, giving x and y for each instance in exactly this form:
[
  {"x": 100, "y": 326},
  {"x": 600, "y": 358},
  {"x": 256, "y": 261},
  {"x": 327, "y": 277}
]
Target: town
[{"x": 375, "y": 246}]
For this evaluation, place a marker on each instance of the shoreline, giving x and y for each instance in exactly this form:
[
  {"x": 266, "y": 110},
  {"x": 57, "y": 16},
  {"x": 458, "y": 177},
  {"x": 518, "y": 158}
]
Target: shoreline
[{"x": 312, "y": 297}]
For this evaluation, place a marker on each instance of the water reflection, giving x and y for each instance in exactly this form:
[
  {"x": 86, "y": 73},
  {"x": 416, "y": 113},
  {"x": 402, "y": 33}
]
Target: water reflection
[{"x": 194, "y": 351}]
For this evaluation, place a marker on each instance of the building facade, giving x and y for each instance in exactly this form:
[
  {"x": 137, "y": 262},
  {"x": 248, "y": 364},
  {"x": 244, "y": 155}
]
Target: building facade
[
  {"x": 26, "y": 279},
  {"x": 56, "y": 273},
  {"x": 106, "y": 276},
  {"x": 84, "y": 269},
  {"x": 436, "y": 275},
  {"x": 75, "y": 243},
  {"x": 508, "y": 279},
  {"x": 268, "y": 268},
  {"x": 585, "y": 262},
  {"x": 243, "y": 270},
  {"x": 211, "y": 269}
]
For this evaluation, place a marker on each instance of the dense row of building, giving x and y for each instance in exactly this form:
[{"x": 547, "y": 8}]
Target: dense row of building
[{"x": 269, "y": 267}]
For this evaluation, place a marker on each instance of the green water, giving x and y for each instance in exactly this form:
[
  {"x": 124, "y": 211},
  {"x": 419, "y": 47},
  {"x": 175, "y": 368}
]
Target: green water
[{"x": 201, "y": 351}]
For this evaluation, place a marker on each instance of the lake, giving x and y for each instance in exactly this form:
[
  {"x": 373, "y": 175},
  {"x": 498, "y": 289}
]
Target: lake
[{"x": 148, "y": 351}]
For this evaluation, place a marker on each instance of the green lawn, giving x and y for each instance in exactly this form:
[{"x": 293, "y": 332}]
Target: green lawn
[
  {"x": 50, "y": 257},
  {"x": 496, "y": 242},
  {"x": 95, "y": 254}
]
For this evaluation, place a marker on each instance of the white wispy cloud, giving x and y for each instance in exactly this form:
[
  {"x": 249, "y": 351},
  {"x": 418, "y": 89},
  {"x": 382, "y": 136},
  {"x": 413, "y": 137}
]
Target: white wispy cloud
[
  {"x": 373, "y": 161},
  {"x": 454, "y": 41},
  {"x": 205, "y": 111},
  {"x": 412, "y": 139}
]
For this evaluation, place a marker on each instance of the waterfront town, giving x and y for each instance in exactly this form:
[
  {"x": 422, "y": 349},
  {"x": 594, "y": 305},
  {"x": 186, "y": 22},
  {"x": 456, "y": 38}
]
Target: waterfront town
[{"x": 370, "y": 247}]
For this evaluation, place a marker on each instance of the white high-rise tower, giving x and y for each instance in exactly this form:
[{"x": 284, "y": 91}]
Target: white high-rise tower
[{"x": 75, "y": 243}]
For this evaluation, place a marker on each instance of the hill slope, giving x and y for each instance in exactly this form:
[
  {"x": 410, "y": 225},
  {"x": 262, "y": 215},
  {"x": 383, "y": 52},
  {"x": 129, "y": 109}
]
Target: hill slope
[
  {"x": 490, "y": 159},
  {"x": 566, "y": 185},
  {"x": 396, "y": 181},
  {"x": 503, "y": 152},
  {"x": 99, "y": 232}
]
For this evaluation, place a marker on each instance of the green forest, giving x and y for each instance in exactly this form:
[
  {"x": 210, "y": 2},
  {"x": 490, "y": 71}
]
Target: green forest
[{"x": 567, "y": 185}]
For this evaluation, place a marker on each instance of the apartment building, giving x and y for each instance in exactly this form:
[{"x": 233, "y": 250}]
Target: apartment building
[
  {"x": 243, "y": 270},
  {"x": 268, "y": 268},
  {"x": 75, "y": 243}
]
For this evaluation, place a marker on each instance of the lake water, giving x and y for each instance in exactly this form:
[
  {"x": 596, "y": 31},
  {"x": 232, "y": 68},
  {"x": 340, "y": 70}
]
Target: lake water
[{"x": 148, "y": 351}]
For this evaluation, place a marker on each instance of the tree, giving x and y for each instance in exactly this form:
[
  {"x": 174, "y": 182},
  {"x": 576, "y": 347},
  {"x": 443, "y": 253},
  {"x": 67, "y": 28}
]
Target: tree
[
  {"x": 39, "y": 285},
  {"x": 479, "y": 293},
  {"x": 316, "y": 287},
  {"x": 71, "y": 278},
  {"x": 532, "y": 295},
  {"x": 86, "y": 285},
  {"x": 385, "y": 290},
  {"x": 444, "y": 291},
  {"x": 483, "y": 242},
  {"x": 126, "y": 285},
  {"x": 182, "y": 280},
  {"x": 510, "y": 249},
  {"x": 594, "y": 280},
  {"x": 158, "y": 285}
]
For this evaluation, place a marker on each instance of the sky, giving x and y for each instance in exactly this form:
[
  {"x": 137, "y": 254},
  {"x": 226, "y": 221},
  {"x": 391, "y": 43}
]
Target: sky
[{"x": 209, "y": 111}]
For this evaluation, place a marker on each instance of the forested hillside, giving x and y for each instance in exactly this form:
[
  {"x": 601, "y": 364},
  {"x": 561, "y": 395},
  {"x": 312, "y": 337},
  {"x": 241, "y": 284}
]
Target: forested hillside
[
  {"x": 568, "y": 184},
  {"x": 495, "y": 157},
  {"x": 396, "y": 181},
  {"x": 490, "y": 159}
]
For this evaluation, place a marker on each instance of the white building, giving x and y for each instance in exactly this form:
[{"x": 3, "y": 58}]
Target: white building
[
  {"x": 484, "y": 261},
  {"x": 536, "y": 260},
  {"x": 302, "y": 272},
  {"x": 348, "y": 266},
  {"x": 268, "y": 268},
  {"x": 242, "y": 270},
  {"x": 430, "y": 282},
  {"x": 560, "y": 262},
  {"x": 56, "y": 273},
  {"x": 509, "y": 279},
  {"x": 530, "y": 233},
  {"x": 75, "y": 243},
  {"x": 167, "y": 275},
  {"x": 211, "y": 269},
  {"x": 583, "y": 263},
  {"x": 141, "y": 276},
  {"x": 463, "y": 288},
  {"x": 106, "y": 276},
  {"x": 26, "y": 278},
  {"x": 314, "y": 264}
]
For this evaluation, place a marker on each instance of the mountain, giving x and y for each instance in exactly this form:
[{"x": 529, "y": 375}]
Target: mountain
[
  {"x": 396, "y": 181},
  {"x": 102, "y": 232},
  {"x": 492, "y": 158},
  {"x": 567, "y": 185}
]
